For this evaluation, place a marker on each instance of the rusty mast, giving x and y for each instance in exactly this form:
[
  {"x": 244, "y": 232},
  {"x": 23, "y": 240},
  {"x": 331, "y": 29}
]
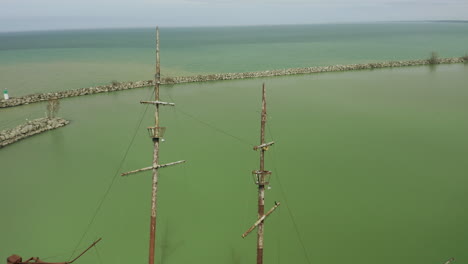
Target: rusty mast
[
  {"x": 156, "y": 133},
  {"x": 262, "y": 179}
]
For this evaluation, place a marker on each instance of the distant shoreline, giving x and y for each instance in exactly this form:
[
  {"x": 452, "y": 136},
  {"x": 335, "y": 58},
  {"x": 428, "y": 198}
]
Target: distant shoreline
[
  {"x": 447, "y": 21},
  {"x": 119, "y": 86},
  {"x": 33, "y": 31}
]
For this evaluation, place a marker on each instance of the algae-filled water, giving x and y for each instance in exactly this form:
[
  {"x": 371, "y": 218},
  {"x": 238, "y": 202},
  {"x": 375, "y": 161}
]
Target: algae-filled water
[{"x": 370, "y": 167}]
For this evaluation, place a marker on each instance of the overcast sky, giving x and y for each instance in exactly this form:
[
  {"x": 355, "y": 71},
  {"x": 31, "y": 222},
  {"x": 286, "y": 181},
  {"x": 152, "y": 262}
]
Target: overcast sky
[{"x": 18, "y": 15}]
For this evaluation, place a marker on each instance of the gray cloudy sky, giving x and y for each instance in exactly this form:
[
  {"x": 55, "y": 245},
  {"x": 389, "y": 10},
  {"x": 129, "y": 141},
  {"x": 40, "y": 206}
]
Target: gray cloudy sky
[{"x": 17, "y": 15}]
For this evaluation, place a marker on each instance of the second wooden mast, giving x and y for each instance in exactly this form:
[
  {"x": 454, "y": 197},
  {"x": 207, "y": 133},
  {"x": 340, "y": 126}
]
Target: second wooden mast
[
  {"x": 156, "y": 133},
  {"x": 262, "y": 179}
]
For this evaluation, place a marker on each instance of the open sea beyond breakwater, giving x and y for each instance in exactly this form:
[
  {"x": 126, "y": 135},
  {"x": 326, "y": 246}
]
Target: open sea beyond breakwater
[{"x": 40, "y": 62}]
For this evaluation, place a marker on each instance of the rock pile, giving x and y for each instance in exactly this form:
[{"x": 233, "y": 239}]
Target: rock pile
[
  {"x": 307, "y": 70},
  {"x": 115, "y": 86},
  {"x": 30, "y": 128},
  {"x": 34, "y": 98}
]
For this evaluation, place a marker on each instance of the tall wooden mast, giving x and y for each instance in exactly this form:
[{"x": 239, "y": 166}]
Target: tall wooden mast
[
  {"x": 156, "y": 133},
  {"x": 262, "y": 179},
  {"x": 157, "y": 81}
]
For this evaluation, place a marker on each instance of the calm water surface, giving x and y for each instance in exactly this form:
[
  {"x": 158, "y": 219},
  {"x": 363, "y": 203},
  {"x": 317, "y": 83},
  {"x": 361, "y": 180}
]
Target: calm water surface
[
  {"x": 370, "y": 166},
  {"x": 59, "y": 60}
]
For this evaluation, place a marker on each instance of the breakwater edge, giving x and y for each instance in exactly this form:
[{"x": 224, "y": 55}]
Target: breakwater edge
[
  {"x": 30, "y": 128},
  {"x": 119, "y": 86}
]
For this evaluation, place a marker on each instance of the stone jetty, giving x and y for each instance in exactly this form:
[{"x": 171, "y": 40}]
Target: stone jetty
[
  {"x": 115, "y": 86},
  {"x": 30, "y": 128}
]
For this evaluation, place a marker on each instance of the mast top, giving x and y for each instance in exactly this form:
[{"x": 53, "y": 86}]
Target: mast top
[
  {"x": 264, "y": 115},
  {"x": 158, "y": 65}
]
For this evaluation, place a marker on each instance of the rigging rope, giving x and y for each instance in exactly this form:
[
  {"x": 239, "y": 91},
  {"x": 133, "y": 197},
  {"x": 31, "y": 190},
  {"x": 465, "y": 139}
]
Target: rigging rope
[
  {"x": 286, "y": 200},
  {"x": 216, "y": 128},
  {"x": 112, "y": 181},
  {"x": 62, "y": 254},
  {"x": 244, "y": 221},
  {"x": 183, "y": 152}
]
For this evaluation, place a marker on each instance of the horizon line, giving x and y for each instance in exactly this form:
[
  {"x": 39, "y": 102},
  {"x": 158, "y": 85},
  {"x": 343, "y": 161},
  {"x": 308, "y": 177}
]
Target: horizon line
[{"x": 232, "y": 25}]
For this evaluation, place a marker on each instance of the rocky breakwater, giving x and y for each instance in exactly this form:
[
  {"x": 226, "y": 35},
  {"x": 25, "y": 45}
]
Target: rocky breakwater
[
  {"x": 309, "y": 70},
  {"x": 39, "y": 97},
  {"x": 30, "y": 128},
  {"x": 116, "y": 86}
]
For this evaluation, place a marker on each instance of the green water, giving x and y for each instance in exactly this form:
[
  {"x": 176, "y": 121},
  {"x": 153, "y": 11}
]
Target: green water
[
  {"x": 370, "y": 164},
  {"x": 60, "y": 60}
]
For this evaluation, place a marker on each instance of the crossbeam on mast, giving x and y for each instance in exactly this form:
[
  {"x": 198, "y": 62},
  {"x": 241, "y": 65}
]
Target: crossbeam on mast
[
  {"x": 263, "y": 146},
  {"x": 157, "y": 103},
  {"x": 261, "y": 219},
  {"x": 155, "y": 167}
]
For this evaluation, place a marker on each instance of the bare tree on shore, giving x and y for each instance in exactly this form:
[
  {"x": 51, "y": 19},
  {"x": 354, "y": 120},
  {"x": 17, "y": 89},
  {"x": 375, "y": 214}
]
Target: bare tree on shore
[{"x": 53, "y": 106}]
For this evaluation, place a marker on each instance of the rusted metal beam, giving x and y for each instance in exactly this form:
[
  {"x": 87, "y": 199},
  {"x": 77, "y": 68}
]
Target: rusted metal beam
[
  {"x": 261, "y": 219},
  {"x": 15, "y": 259},
  {"x": 156, "y": 167},
  {"x": 35, "y": 260},
  {"x": 92, "y": 245},
  {"x": 157, "y": 103},
  {"x": 263, "y": 146}
]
